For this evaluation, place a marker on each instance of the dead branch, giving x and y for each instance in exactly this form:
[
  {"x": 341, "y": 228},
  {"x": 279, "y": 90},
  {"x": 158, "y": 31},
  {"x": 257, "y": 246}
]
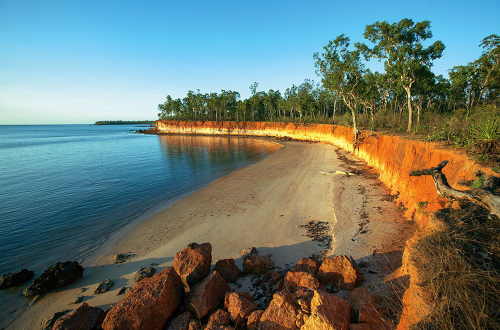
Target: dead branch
[{"x": 483, "y": 196}]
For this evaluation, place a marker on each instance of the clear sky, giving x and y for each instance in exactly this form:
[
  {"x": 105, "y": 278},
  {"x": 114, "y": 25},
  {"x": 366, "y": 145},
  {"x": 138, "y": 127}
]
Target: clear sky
[{"x": 82, "y": 61}]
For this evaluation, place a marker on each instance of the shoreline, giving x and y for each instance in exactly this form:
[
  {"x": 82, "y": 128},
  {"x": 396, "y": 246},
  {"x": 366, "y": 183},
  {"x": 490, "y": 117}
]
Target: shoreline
[{"x": 284, "y": 197}]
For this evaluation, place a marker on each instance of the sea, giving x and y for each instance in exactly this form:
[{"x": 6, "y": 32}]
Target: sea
[{"x": 65, "y": 189}]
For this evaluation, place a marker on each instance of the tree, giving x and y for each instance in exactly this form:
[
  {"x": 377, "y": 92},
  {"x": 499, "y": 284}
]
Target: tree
[
  {"x": 399, "y": 45},
  {"x": 341, "y": 72}
]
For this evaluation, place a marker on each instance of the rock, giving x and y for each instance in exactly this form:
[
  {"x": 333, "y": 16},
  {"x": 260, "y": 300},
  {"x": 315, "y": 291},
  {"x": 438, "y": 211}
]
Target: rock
[
  {"x": 307, "y": 265},
  {"x": 341, "y": 271},
  {"x": 254, "y": 319},
  {"x": 294, "y": 280},
  {"x": 257, "y": 264},
  {"x": 77, "y": 300},
  {"x": 272, "y": 277},
  {"x": 218, "y": 319},
  {"x": 123, "y": 290},
  {"x": 228, "y": 270},
  {"x": 121, "y": 258},
  {"x": 246, "y": 295},
  {"x": 181, "y": 322},
  {"x": 193, "y": 263},
  {"x": 360, "y": 326},
  {"x": 238, "y": 307},
  {"x": 281, "y": 313},
  {"x": 104, "y": 286},
  {"x": 368, "y": 313},
  {"x": 206, "y": 295},
  {"x": 11, "y": 279},
  {"x": 143, "y": 273},
  {"x": 148, "y": 305},
  {"x": 48, "y": 322},
  {"x": 84, "y": 317},
  {"x": 328, "y": 312},
  {"x": 357, "y": 298},
  {"x": 82, "y": 290},
  {"x": 56, "y": 276},
  {"x": 247, "y": 252}
]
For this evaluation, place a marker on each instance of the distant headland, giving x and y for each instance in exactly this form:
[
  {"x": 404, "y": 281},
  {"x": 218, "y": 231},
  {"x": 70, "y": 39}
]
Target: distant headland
[{"x": 124, "y": 122}]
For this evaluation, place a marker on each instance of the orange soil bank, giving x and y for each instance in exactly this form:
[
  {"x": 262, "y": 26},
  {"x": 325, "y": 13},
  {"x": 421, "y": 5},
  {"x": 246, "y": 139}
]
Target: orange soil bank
[{"x": 392, "y": 156}]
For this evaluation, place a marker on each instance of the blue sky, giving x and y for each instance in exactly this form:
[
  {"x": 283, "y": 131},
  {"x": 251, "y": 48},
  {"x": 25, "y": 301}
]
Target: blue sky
[{"x": 82, "y": 61}]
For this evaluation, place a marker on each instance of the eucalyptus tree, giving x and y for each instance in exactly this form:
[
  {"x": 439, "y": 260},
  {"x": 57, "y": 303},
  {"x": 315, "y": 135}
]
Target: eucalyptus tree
[
  {"x": 488, "y": 66},
  {"x": 341, "y": 71},
  {"x": 399, "y": 45}
]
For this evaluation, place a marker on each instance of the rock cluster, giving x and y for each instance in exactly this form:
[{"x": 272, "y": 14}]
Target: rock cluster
[
  {"x": 56, "y": 276},
  {"x": 11, "y": 279},
  {"x": 188, "y": 296}
]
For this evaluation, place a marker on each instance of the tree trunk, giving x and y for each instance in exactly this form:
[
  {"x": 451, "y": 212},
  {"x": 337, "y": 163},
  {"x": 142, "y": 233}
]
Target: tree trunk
[{"x": 410, "y": 109}]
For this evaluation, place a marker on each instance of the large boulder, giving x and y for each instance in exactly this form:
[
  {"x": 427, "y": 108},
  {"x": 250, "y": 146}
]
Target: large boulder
[
  {"x": 148, "y": 305},
  {"x": 257, "y": 264},
  {"x": 206, "y": 295},
  {"x": 341, "y": 271},
  {"x": 84, "y": 317},
  {"x": 254, "y": 319},
  {"x": 193, "y": 263},
  {"x": 11, "y": 279},
  {"x": 294, "y": 280},
  {"x": 307, "y": 265},
  {"x": 238, "y": 306},
  {"x": 281, "y": 314},
  {"x": 328, "y": 312},
  {"x": 228, "y": 270},
  {"x": 56, "y": 276}
]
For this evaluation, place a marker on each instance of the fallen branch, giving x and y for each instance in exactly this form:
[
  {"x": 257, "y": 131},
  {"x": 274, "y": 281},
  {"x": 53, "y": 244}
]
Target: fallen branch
[{"x": 483, "y": 196}]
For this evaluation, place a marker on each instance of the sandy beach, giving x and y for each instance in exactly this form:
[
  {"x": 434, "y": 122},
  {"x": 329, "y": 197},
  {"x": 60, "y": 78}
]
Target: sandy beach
[{"x": 263, "y": 205}]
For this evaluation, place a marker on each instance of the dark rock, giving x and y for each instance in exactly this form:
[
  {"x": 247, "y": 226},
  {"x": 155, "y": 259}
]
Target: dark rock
[
  {"x": 220, "y": 318},
  {"x": 48, "y": 322},
  {"x": 228, "y": 270},
  {"x": 56, "y": 276},
  {"x": 123, "y": 290},
  {"x": 11, "y": 279},
  {"x": 307, "y": 265},
  {"x": 143, "y": 273},
  {"x": 257, "y": 264},
  {"x": 247, "y": 252},
  {"x": 77, "y": 300},
  {"x": 84, "y": 317},
  {"x": 121, "y": 258},
  {"x": 181, "y": 322},
  {"x": 104, "y": 286}
]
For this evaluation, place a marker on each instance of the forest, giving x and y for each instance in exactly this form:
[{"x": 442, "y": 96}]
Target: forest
[{"x": 407, "y": 97}]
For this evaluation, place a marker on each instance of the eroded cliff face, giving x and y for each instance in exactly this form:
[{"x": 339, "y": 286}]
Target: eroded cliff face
[{"x": 392, "y": 156}]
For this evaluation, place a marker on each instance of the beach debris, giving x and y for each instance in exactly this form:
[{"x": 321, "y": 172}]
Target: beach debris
[
  {"x": 77, "y": 300},
  {"x": 104, "y": 286},
  {"x": 328, "y": 312},
  {"x": 82, "y": 290},
  {"x": 123, "y": 290},
  {"x": 48, "y": 322},
  {"x": 220, "y": 318},
  {"x": 239, "y": 306},
  {"x": 257, "y": 264},
  {"x": 206, "y": 295},
  {"x": 185, "y": 321},
  {"x": 148, "y": 305},
  {"x": 84, "y": 317},
  {"x": 320, "y": 232},
  {"x": 122, "y": 257},
  {"x": 338, "y": 173},
  {"x": 254, "y": 319},
  {"x": 282, "y": 312},
  {"x": 143, "y": 273},
  {"x": 193, "y": 263},
  {"x": 295, "y": 280},
  {"x": 307, "y": 265},
  {"x": 228, "y": 270},
  {"x": 56, "y": 276},
  {"x": 341, "y": 271},
  {"x": 247, "y": 252},
  {"x": 11, "y": 279}
]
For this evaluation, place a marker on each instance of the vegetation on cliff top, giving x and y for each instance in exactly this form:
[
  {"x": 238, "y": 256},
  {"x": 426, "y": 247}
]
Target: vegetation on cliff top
[
  {"x": 406, "y": 97},
  {"x": 124, "y": 122}
]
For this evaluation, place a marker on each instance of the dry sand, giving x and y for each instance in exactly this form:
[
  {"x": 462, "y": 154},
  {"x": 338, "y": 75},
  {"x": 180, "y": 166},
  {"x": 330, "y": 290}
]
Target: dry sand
[{"x": 262, "y": 205}]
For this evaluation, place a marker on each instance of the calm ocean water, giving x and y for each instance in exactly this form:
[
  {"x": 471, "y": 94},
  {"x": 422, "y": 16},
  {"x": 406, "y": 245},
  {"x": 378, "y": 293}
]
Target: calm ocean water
[{"x": 66, "y": 188}]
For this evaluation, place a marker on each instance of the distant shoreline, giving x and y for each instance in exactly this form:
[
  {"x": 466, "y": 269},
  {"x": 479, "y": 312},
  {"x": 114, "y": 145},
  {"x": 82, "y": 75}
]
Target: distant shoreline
[{"x": 125, "y": 122}]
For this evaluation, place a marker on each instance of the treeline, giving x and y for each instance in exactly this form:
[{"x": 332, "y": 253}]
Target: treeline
[
  {"x": 350, "y": 94},
  {"x": 124, "y": 122}
]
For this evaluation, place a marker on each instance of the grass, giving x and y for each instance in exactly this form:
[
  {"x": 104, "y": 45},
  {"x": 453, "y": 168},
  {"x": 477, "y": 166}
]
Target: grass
[{"x": 460, "y": 269}]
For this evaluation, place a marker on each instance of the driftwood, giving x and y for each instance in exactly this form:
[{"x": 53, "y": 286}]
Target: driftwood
[{"x": 483, "y": 196}]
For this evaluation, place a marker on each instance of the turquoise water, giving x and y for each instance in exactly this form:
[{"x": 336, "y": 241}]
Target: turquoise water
[{"x": 66, "y": 188}]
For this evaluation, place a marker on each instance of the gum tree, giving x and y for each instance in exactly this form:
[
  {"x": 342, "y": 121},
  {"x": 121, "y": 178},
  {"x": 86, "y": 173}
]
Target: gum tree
[{"x": 400, "y": 46}]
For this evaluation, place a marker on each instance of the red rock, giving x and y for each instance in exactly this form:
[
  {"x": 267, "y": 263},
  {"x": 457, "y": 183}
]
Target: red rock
[
  {"x": 84, "y": 317},
  {"x": 193, "y": 263},
  {"x": 206, "y": 295},
  {"x": 257, "y": 264},
  {"x": 359, "y": 326},
  {"x": 254, "y": 319},
  {"x": 341, "y": 271},
  {"x": 357, "y": 298},
  {"x": 328, "y": 312},
  {"x": 247, "y": 252},
  {"x": 246, "y": 295},
  {"x": 217, "y": 319},
  {"x": 294, "y": 280},
  {"x": 238, "y": 307},
  {"x": 148, "y": 305},
  {"x": 368, "y": 313},
  {"x": 281, "y": 313},
  {"x": 228, "y": 270},
  {"x": 181, "y": 322},
  {"x": 307, "y": 265}
]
